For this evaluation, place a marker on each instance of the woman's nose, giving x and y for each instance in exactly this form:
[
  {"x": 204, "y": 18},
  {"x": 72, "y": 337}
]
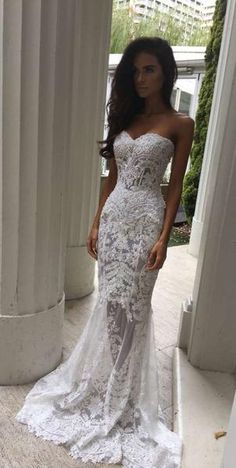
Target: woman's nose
[{"x": 140, "y": 77}]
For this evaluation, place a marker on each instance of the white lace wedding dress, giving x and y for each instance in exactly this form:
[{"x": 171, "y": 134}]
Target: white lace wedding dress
[{"x": 103, "y": 401}]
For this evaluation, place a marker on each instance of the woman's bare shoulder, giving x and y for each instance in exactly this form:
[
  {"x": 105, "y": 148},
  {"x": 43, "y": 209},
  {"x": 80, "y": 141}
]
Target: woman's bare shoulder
[
  {"x": 182, "y": 119},
  {"x": 182, "y": 123}
]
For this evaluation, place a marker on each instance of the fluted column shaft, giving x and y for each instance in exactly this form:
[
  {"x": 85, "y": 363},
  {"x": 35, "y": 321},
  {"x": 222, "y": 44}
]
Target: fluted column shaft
[
  {"x": 90, "y": 58},
  {"x": 211, "y": 340},
  {"x": 36, "y": 47}
]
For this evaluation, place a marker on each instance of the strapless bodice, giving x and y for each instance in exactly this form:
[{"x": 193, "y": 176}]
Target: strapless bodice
[{"x": 142, "y": 162}]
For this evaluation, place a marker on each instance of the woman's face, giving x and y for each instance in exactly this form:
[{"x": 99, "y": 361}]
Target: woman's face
[{"x": 148, "y": 75}]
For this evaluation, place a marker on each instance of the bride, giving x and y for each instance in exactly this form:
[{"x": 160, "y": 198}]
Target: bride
[{"x": 102, "y": 403}]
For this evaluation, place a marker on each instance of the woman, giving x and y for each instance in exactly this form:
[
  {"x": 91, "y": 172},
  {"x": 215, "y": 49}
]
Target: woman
[{"x": 103, "y": 402}]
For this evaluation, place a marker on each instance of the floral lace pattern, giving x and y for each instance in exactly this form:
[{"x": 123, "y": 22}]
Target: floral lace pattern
[{"x": 102, "y": 403}]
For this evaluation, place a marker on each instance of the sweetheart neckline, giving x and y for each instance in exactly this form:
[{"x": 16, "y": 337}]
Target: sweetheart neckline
[{"x": 149, "y": 133}]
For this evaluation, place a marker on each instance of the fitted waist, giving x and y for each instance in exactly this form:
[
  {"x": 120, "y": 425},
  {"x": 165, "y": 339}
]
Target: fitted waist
[
  {"x": 154, "y": 191},
  {"x": 135, "y": 200}
]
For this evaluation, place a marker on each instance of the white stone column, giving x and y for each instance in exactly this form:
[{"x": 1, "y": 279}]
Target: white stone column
[
  {"x": 229, "y": 455},
  {"x": 36, "y": 83},
  {"x": 211, "y": 335},
  {"x": 90, "y": 58}
]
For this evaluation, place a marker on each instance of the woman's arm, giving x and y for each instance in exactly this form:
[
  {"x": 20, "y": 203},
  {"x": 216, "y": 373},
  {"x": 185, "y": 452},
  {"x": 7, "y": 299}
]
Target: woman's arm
[
  {"x": 109, "y": 185},
  {"x": 157, "y": 255},
  {"x": 178, "y": 168}
]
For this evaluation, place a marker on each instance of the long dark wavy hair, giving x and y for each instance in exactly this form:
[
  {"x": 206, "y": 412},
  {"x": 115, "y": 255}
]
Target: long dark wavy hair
[{"x": 124, "y": 103}]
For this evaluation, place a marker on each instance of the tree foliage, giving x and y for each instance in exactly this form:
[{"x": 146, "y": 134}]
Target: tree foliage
[
  {"x": 122, "y": 31},
  {"x": 191, "y": 180}
]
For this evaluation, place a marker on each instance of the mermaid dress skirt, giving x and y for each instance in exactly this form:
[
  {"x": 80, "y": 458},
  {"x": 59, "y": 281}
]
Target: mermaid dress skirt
[{"x": 102, "y": 403}]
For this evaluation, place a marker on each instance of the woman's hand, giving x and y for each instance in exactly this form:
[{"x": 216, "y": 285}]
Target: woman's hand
[
  {"x": 157, "y": 256},
  {"x": 92, "y": 242}
]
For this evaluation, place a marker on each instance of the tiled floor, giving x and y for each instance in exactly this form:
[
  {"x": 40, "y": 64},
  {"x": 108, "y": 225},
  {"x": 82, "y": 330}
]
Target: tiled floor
[{"x": 19, "y": 448}]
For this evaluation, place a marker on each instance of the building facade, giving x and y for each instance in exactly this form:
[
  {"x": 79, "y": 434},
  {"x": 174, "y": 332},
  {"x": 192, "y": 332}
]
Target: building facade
[{"x": 188, "y": 13}]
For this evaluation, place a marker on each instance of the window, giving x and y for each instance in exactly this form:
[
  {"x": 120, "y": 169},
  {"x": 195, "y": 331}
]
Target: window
[
  {"x": 185, "y": 101},
  {"x": 173, "y": 97}
]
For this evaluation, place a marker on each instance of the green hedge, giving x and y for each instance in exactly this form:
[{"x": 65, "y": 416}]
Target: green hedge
[{"x": 191, "y": 180}]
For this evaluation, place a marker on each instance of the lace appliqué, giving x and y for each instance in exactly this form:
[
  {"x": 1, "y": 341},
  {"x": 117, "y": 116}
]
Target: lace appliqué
[{"x": 102, "y": 403}]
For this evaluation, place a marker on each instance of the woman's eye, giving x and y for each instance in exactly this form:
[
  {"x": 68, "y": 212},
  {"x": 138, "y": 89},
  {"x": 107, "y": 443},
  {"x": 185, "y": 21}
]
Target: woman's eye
[{"x": 147, "y": 70}]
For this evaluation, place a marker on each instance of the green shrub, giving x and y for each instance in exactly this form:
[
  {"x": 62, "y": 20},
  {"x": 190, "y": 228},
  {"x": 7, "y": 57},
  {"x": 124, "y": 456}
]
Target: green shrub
[{"x": 191, "y": 180}]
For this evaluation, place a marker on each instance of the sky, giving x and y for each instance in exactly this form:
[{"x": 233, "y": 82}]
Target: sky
[{"x": 209, "y": 2}]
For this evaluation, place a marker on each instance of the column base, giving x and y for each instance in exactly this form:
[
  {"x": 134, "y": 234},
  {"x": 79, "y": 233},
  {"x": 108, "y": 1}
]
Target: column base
[
  {"x": 195, "y": 237},
  {"x": 79, "y": 273},
  {"x": 30, "y": 345},
  {"x": 185, "y": 323},
  {"x": 202, "y": 402}
]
